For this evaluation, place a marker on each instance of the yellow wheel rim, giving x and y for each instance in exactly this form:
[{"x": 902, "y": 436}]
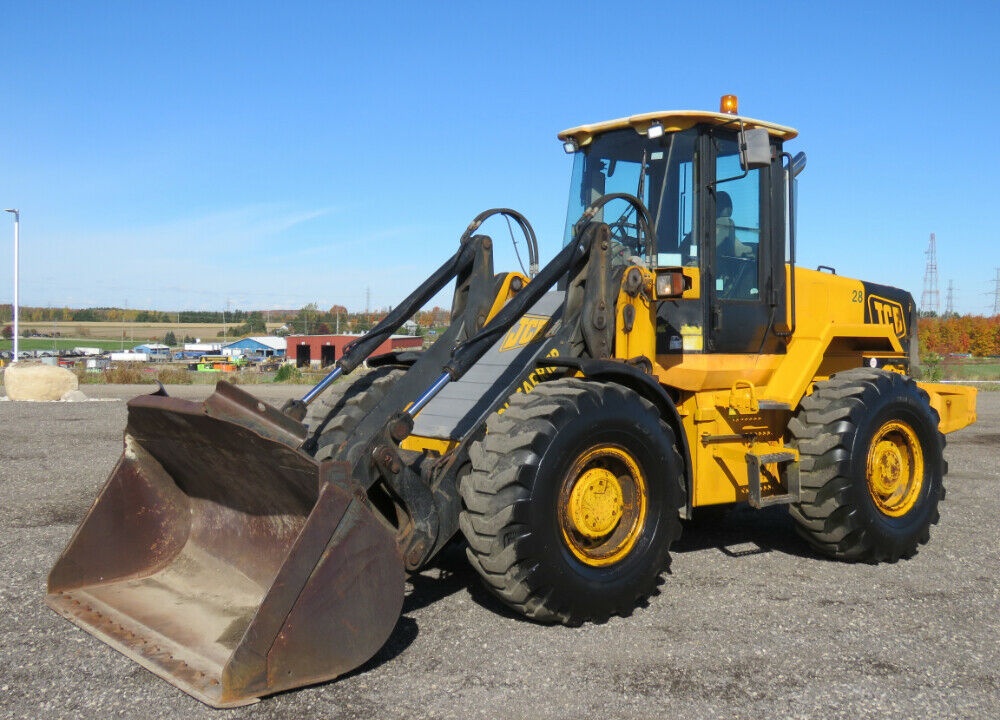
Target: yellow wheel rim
[
  {"x": 895, "y": 469},
  {"x": 602, "y": 505}
]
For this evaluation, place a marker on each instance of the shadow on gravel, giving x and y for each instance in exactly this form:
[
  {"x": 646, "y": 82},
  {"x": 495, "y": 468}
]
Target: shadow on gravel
[
  {"x": 453, "y": 574},
  {"x": 739, "y": 531},
  {"x": 69, "y": 513},
  {"x": 734, "y": 531}
]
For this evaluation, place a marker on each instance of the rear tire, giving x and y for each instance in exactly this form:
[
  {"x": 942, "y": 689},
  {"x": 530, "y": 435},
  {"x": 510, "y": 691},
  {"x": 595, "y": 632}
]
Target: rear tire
[
  {"x": 348, "y": 404},
  {"x": 571, "y": 506},
  {"x": 871, "y": 466}
]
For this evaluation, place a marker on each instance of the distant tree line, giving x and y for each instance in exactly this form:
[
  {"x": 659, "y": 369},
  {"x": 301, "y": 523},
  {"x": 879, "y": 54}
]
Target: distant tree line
[
  {"x": 959, "y": 335},
  {"x": 311, "y": 320},
  {"x": 114, "y": 314}
]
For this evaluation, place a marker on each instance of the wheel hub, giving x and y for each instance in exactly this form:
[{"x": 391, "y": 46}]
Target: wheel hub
[
  {"x": 595, "y": 504},
  {"x": 603, "y": 505},
  {"x": 895, "y": 469}
]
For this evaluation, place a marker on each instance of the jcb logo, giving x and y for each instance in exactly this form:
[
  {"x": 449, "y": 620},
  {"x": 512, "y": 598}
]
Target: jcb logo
[
  {"x": 529, "y": 328},
  {"x": 887, "y": 312}
]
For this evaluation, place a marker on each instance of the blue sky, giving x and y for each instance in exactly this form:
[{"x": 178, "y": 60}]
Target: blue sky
[{"x": 188, "y": 155}]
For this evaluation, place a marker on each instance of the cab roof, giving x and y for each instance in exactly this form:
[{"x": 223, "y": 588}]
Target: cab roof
[{"x": 672, "y": 121}]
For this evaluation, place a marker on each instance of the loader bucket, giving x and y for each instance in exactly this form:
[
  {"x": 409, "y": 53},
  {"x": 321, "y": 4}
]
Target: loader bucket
[{"x": 224, "y": 559}]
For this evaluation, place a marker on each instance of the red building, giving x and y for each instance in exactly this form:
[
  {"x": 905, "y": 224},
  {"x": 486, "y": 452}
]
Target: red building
[{"x": 323, "y": 350}]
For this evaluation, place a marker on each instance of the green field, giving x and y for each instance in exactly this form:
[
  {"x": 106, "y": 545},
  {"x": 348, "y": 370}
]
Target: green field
[
  {"x": 57, "y": 344},
  {"x": 971, "y": 369}
]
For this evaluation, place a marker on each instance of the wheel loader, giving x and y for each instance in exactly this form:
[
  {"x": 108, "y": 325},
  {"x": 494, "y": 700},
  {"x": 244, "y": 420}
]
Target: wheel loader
[{"x": 671, "y": 356}]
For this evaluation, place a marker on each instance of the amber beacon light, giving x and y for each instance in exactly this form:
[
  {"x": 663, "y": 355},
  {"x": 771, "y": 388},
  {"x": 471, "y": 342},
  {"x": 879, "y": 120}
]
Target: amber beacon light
[{"x": 729, "y": 104}]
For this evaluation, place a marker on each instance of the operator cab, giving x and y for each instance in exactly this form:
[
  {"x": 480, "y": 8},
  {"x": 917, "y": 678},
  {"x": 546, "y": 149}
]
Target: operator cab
[{"x": 717, "y": 206}]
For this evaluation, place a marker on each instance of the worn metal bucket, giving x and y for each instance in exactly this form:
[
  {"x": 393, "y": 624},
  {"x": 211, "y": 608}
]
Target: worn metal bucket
[{"x": 224, "y": 559}]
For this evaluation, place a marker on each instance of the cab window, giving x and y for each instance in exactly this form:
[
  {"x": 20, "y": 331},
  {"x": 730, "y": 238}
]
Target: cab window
[{"x": 737, "y": 225}]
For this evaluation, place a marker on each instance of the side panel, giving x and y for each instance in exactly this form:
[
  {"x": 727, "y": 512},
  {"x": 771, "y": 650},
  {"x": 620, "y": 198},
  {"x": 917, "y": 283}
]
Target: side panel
[{"x": 719, "y": 443}]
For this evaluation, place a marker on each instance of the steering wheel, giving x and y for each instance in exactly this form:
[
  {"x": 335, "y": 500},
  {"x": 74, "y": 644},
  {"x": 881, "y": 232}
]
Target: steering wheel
[
  {"x": 622, "y": 229},
  {"x": 627, "y": 233}
]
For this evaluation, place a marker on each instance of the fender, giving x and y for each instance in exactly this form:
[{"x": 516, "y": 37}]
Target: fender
[{"x": 631, "y": 376}]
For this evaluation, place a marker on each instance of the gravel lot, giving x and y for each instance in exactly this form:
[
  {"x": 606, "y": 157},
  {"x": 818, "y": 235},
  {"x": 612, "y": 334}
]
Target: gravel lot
[{"x": 748, "y": 624}]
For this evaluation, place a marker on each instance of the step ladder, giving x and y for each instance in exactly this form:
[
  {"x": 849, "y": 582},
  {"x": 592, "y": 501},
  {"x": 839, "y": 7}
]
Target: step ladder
[{"x": 757, "y": 461}]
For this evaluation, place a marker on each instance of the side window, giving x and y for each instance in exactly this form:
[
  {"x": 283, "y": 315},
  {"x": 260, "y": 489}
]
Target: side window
[
  {"x": 737, "y": 226},
  {"x": 687, "y": 238}
]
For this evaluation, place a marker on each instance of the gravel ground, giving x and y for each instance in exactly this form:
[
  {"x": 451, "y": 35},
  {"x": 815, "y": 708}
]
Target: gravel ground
[{"x": 748, "y": 624}]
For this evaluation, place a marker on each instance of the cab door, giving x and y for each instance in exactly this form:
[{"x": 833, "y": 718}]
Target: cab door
[{"x": 743, "y": 250}]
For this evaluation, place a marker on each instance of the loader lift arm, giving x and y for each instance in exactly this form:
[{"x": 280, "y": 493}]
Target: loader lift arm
[
  {"x": 462, "y": 266},
  {"x": 424, "y": 490}
]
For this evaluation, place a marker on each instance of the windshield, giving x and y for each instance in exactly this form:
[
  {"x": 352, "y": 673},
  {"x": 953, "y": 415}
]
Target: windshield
[{"x": 659, "y": 172}]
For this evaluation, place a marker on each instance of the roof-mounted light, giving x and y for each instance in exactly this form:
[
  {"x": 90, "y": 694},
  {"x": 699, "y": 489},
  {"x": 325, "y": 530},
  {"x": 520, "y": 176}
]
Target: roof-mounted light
[
  {"x": 570, "y": 146},
  {"x": 654, "y": 131},
  {"x": 729, "y": 104}
]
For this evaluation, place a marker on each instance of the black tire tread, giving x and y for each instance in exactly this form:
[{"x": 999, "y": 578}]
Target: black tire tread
[
  {"x": 346, "y": 406},
  {"x": 497, "y": 491},
  {"x": 822, "y": 430}
]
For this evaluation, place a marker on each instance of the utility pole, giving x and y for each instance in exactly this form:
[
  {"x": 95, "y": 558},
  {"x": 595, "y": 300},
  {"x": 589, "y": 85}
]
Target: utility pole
[
  {"x": 949, "y": 306},
  {"x": 17, "y": 225}
]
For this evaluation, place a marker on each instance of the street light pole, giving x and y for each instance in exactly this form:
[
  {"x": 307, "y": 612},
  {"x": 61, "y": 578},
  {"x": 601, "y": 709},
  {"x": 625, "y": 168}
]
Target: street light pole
[{"x": 17, "y": 223}]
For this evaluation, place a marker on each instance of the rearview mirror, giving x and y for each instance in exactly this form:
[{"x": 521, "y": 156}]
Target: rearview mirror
[{"x": 755, "y": 149}]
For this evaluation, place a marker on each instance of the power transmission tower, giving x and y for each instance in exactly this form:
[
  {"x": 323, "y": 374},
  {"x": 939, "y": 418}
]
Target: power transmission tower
[
  {"x": 996, "y": 295},
  {"x": 949, "y": 305},
  {"x": 930, "y": 299}
]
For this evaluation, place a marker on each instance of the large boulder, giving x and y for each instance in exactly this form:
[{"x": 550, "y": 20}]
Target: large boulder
[{"x": 38, "y": 382}]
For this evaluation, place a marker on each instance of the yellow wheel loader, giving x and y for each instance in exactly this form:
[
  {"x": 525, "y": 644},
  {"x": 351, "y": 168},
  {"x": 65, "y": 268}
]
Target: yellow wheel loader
[{"x": 671, "y": 356}]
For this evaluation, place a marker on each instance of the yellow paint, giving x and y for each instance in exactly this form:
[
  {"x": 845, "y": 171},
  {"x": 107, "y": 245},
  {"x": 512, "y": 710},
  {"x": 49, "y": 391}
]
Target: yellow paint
[
  {"x": 693, "y": 291},
  {"x": 955, "y": 405},
  {"x": 603, "y": 501},
  {"x": 437, "y": 446},
  {"x": 506, "y": 292},
  {"x": 716, "y": 371},
  {"x": 672, "y": 121},
  {"x": 595, "y": 503},
  {"x": 743, "y": 398},
  {"x": 895, "y": 469},
  {"x": 637, "y": 341},
  {"x": 692, "y": 338},
  {"x": 719, "y": 466},
  {"x": 530, "y": 328}
]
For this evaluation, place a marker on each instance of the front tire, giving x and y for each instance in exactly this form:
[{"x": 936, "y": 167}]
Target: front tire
[
  {"x": 871, "y": 466},
  {"x": 571, "y": 506}
]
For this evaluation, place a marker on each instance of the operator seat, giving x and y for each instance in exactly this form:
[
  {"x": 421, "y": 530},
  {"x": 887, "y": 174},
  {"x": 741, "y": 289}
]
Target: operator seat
[{"x": 725, "y": 228}]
